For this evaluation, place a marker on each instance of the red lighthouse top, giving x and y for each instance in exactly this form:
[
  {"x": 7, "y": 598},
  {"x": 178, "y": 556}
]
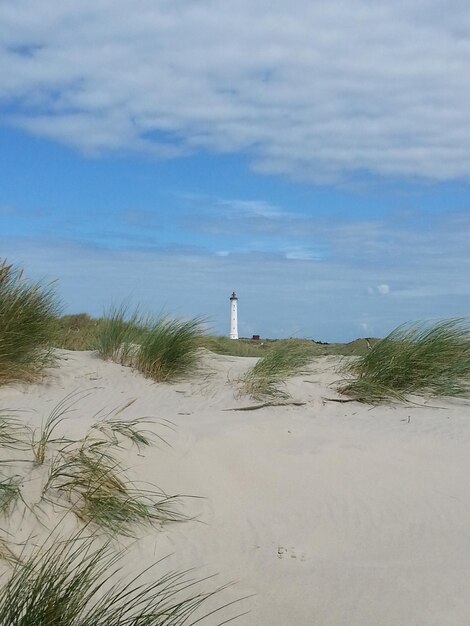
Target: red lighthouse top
[{"x": 233, "y": 296}]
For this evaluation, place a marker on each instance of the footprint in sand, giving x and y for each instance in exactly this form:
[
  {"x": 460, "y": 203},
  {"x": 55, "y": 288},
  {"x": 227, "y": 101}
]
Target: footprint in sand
[{"x": 291, "y": 552}]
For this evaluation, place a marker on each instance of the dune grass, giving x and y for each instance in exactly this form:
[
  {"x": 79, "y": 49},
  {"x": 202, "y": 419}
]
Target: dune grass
[
  {"x": 42, "y": 437},
  {"x": 162, "y": 349},
  {"x": 423, "y": 358},
  {"x": 170, "y": 349},
  {"x": 28, "y": 313},
  {"x": 10, "y": 493},
  {"x": 75, "y": 583},
  {"x": 94, "y": 484},
  {"x": 13, "y": 434},
  {"x": 266, "y": 380},
  {"x": 82, "y": 581},
  {"x": 114, "y": 428},
  {"x": 75, "y": 332},
  {"x": 86, "y": 477},
  {"x": 118, "y": 333}
]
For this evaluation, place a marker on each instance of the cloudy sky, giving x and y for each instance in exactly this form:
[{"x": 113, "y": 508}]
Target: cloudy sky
[{"x": 313, "y": 156}]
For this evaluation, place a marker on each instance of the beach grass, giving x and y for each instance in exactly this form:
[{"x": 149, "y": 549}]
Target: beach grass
[
  {"x": 118, "y": 333},
  {"x": 114, "y": 429},
  {"x": 28, "y": 313},
  {"x": 161, "y": 348},
  {"x": 10, "y": 493},
  {"x": 170, "y": 349},
  {"x": 94, "y": 485},
  {"x": 43, "y": 437},
  {"x": 74, "y": 582},
  {"x": 266, "y": 379},
  {"x": 13, "y": 434},
  {"x": 422, "y": 358},
  {"x": 75, "y": 332},
  {"x": 82, "y": 580}
]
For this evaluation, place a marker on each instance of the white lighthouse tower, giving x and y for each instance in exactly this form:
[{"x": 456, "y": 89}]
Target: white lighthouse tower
[{"x": 233, "y": 316}]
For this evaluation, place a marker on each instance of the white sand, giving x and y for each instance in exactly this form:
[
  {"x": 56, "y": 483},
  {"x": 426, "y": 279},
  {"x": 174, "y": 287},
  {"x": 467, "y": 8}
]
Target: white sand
[{"x": 330, "y": 514}]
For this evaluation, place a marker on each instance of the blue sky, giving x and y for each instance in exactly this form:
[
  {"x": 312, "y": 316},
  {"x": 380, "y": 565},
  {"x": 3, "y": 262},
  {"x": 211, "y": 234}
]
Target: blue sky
[{"x": 313, "y": 157}]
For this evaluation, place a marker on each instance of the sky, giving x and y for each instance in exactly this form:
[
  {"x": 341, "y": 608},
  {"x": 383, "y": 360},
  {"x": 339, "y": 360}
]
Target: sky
[{"x": 312, "y": 156}]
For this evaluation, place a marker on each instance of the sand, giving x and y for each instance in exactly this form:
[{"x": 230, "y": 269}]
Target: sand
[{"x": 329, "y": 514}]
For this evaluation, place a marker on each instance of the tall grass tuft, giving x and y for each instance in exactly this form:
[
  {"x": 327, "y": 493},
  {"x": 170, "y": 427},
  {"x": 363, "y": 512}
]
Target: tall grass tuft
[
  {"x": 170, "y": 349},
  {"x": 118, "y": 333},
  {"x": 75, "y": 332},
  {"x": 266, "y": 380},
  {"x": 96, "y": 489},
  {"x": 74, "y": 583},
  {"x": 28, "y": 314},
  {"x": 413, "y": 359},
  {"x": 42, "y": 437}
]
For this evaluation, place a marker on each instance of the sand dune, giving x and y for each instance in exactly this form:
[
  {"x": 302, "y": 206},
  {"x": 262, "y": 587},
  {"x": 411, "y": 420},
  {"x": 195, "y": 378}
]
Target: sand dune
[{"x": 328, "y": 514}]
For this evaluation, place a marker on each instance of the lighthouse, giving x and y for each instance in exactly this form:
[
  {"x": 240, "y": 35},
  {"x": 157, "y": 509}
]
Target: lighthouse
[{"x": 233, "y": 316}]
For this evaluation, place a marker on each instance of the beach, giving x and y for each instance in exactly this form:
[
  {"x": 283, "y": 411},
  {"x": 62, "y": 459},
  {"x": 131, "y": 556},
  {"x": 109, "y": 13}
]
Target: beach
[{"x": 319, "y": 512}]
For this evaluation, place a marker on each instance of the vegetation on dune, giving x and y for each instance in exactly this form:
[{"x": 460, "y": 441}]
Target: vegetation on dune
[
  {"x": 78, "y": 332},
  {"x": 266, "y": 379},
  {"x": 80, "y": 580},
  {"x": 75, "y": 332},
  {"x": 170, "y": 349},
  {"x": 250, "y": 347},
  {"x": 95, "y": 487},
  {"x": 76, "y": 583},
  {"x": 42, "y": 437},
  {"x": 113, "y": 427},
  {"x": 422, "y": 358},
  {"x": 162, "y": 349},
  {"x": 28, "y": 313},
  {"x": 9, "y": 492},
  {"x": 231, "y": 347},
  {"x": 118, "y": 334},
  {"x": 85, "y": 476},
  {"x": 13, "y": 434}
]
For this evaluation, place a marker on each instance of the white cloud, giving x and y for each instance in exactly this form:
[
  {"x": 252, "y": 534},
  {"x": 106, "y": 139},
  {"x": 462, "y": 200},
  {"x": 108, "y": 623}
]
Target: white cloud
[
  {"x": 250, "y": 208},
  {"x": 309, "y": 90},
  {"x": 383, "y": 289},
  {"x": 301, "y": 254}
]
